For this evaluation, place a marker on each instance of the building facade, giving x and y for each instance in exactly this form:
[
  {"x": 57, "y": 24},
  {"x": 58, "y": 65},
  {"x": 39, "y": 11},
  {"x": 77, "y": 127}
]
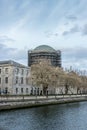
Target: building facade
[
  {"x": 14, "y": 78},
  {"x": 44, "y": 52}
]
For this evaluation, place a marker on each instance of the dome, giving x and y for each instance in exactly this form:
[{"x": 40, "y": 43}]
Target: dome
[{"x": 44, "y": 48}]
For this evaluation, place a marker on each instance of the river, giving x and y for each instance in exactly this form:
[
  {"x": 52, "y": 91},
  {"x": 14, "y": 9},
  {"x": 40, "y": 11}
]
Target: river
[{"x": 72, "y": 116}]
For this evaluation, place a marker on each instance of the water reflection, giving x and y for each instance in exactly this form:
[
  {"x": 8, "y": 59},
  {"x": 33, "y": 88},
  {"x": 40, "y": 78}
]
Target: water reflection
[{"x": 57, "y": 117}]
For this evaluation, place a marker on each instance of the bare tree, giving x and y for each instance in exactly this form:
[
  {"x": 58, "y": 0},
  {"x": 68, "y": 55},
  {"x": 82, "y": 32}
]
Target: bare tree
[
  {"x": 47, "y": 75},
  {"x": 43, "y": 73},
  {"x": 72, "y": 80}
]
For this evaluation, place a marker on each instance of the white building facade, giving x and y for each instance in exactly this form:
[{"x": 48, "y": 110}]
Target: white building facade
[{"x": 14, "y": 78}]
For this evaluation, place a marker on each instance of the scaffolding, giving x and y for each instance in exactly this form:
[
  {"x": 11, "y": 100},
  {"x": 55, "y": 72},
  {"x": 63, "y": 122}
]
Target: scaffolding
[{"x": 54, "y": 57}]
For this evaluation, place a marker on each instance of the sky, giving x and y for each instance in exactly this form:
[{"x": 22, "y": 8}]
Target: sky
[{"x": 61, "y": 24}]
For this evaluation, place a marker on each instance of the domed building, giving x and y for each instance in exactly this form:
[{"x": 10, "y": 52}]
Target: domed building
[{"x": 44, "y": 52}]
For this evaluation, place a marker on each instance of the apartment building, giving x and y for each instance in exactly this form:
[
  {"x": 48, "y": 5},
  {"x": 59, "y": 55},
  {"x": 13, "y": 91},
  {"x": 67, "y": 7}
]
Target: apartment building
[{"x": 14, "y": 78}]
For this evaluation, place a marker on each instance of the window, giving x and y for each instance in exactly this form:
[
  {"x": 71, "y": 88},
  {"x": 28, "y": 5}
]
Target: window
[
  {"x": 6, "y": 70},
  {"x": 16, "y": 90},
  {"x": 6, "y": 90},
  {"x": 26, "y": 72},
  {"x": 26, "y": 90},
  {"x": 22, "y": 71},
  {"x": 0, "y": 71},
  {"x": 0, "y": 80},
  {"x": 6, "y": 80},
  {"x": 16, "y": 79},
  {"x": 21, "y": 90},
  {"x": 31, "y": 91},
  {"x": 21, "y": 80},
  {"x": 17, "y": 70}
]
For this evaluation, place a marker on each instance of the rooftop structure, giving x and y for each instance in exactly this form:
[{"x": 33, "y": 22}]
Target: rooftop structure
[
  {"x": 44, "y": 52},
  {"x": 43, "y": 48},
  {"x": 11, "y": 62}
]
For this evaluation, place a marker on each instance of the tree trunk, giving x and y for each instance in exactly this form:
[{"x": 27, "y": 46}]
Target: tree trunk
[
  {"x": 45, "y": 92},
  {"x": 66, "y": 88}
]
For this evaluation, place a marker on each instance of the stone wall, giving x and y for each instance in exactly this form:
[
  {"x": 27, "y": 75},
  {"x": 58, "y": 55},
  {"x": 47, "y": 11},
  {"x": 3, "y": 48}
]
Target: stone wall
[
  {"x": 17, "y": 102},
  {"x": 26, "y": 97}
]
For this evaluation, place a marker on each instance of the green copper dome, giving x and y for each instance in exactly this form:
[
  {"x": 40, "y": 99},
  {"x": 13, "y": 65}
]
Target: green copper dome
[{"x": 44, "y": 48}]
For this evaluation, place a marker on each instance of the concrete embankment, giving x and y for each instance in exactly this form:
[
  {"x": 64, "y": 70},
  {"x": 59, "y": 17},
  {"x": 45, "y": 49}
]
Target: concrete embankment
[{"x": 16, "y": 102}]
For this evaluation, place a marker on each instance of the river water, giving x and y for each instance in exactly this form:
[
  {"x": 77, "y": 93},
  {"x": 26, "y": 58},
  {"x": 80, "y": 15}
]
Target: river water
[{"x": 71, "y": 116}]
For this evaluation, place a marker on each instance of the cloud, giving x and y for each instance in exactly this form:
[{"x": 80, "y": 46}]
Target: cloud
[
  {"x": 84, "y": 30},
  {"x": 71, "y": 17},
  {"x": 49, "y": 34},
  {"x": 76, "y": 53},
  {"x": 56, "y": 34},
  {"x": 75, "y": 57},
  {"x": 7, "y": 53},
  {"x": 75, "y": 29},
  {"x": 4, "y": 38},
  {"x": 65, "y": 33},
  {"x": 81, "y": 29},
  {"x": 72, "y": 30}
]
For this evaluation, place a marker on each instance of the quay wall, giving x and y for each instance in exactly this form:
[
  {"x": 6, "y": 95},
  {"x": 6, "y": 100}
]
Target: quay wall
[{"x": 17, "y": 102}]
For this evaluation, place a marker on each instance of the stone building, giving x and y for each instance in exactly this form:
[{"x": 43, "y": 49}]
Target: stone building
[
  {"x": 14, "y": 78},
  {"x": 44, "y": 52}
]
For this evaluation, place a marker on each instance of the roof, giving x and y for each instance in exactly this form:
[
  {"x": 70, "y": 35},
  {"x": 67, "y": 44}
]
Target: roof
[
  {"x": 11, "y": 62},
  {"x": 44, "y": 48}
]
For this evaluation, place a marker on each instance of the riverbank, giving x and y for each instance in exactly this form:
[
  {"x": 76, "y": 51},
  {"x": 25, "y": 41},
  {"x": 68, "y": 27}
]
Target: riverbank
[{"x": 18, "y": 102}]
